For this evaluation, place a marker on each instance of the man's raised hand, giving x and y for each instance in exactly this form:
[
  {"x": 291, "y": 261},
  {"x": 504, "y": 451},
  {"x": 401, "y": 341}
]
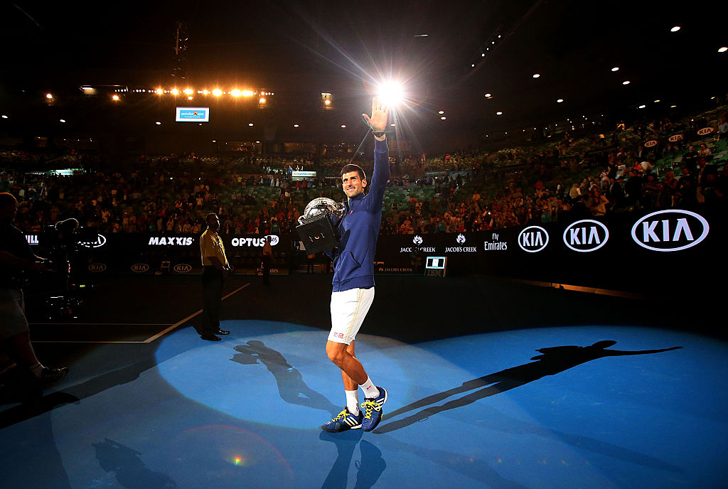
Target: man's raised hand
[{"x": 378, "y": 121}]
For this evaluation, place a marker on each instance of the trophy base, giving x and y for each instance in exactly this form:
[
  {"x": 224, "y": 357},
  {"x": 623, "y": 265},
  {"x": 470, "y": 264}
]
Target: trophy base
[{"x": 317, "y": 234}]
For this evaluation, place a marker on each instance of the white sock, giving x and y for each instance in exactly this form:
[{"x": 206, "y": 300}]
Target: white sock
[
  {"x": 37, "y": 370},
  {"x": 370, "y": 390},
  {"x": 352, "y": 402}
]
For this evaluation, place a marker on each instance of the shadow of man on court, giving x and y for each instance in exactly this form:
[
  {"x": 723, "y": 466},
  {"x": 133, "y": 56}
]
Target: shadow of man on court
[
  {"x": 291, "y": 386},
  {"x": 369, "y": 467},
  {"x": 125, "y": 463},
  {"x": 552, "y": 361}
]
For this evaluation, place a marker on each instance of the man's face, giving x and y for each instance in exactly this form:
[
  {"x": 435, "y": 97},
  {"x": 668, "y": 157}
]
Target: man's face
[
  {"x": 213, "y": 223},
  {"x": 352, "y": 184},
  {"x": 8, "y": 212}
]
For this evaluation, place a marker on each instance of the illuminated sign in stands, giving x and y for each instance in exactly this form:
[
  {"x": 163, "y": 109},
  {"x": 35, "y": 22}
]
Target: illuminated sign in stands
[
  {"x": 192, "y": 114},
  {"x": 533, "y": 239},
  {"x": 586, "y": 236},
  {"x": 670, "y": 230},
  {"x": 254, "y": 242},
  {"x": 171, "y": 241}
]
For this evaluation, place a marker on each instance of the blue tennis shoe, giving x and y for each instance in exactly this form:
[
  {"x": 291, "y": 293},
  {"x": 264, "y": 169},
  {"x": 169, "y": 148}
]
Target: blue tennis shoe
[{"x": 372, "y": 408}]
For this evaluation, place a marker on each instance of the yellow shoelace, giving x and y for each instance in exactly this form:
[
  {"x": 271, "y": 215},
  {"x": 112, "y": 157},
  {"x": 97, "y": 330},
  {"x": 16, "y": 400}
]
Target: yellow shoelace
[
  {"x": 341, "y": 415},
  {"x": 368, "y": 406}
]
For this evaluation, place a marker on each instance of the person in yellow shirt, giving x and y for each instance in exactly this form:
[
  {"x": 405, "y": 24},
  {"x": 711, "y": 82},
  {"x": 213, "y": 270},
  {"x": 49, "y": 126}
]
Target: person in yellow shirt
[
  {"x": 215, "y": 269},
  {"x": 267, "y": 259}
]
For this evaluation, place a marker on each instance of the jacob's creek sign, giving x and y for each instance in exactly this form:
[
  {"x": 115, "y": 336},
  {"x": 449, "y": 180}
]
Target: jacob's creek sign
[
  {"x": 418, "y": 242},
  {"x": 461, "y": 239}
]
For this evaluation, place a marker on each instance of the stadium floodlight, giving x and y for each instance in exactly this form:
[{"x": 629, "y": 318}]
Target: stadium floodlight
[
  {"x": 248, "y": 93},
  {"x": 390, "y": 93},
  {"x": 236, "y": 93},
  {"x": 217, "y": 92},
  {"x": 188, "y": 91}
]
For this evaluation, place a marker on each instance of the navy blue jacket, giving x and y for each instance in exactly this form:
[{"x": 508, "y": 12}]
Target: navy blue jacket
[{"x": 359, "y": 229}]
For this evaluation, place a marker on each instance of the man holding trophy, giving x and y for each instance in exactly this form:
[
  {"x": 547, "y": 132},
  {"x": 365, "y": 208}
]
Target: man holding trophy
[{"x": 353, "y": 283}]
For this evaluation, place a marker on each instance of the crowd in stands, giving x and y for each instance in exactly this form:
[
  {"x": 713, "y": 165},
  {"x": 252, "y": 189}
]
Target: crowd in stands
[{"x": 564, "y": 178}]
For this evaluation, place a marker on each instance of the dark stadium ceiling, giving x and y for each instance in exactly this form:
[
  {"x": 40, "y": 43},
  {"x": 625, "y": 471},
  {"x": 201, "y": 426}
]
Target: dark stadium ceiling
[{"x": 452, "y": 53}]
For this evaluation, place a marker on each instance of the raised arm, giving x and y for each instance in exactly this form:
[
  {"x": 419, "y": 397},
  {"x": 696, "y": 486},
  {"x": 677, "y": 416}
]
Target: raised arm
[{"x": 378, "y": 183}]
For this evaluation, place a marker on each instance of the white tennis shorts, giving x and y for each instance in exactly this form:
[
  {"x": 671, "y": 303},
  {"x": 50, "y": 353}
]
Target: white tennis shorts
[{"x": 348, "y": 310}]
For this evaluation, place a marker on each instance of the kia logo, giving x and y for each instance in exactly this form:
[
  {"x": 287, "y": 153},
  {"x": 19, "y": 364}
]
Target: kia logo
[
  {"x": 100, "y": 241},
  {"x": 182, "y": 268},
  {"x": 670, "y": 230},
  {"x": 705, "y": 131},
  {"x": 675, "y": 138},
  {"x": 139, "y": 268},
  {"x": 650, "y": 144},
  {"x": 533, "y": 239},
  {"x": 586, "y": 235},
  {"x": 97, "y": 267}
]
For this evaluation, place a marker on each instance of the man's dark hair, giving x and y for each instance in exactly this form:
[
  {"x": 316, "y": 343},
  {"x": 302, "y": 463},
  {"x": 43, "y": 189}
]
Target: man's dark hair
[
  {"x": 352, "y": 167},
  {"x": 6, "y": 198}
]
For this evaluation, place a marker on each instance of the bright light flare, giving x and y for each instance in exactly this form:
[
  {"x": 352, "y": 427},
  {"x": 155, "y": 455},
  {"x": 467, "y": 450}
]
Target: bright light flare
[{"x": 390, "y": 94}]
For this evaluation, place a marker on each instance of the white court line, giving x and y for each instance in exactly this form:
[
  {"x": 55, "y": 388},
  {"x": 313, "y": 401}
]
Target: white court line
[
  {"x": 180, "y": 323},
  {"x": 148, "y": 340}
]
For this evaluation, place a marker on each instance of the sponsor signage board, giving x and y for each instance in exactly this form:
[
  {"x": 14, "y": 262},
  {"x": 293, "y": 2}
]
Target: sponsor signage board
[
  {"x": 182, "y": 268},
  {"x": 670, "y": 230},
  {"x": 533, "y": 239},
  {"x": 586, "y": 236},
  {"x": 192, "y": 114}
]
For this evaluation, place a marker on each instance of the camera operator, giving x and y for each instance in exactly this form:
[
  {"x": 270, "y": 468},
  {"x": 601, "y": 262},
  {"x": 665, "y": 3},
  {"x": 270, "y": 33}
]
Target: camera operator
[{"x": 16, "y": 257}]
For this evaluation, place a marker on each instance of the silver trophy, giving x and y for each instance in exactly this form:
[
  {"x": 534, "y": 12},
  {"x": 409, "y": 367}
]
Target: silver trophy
[
  {"x": 322, "y": 206},
  {"x": 315, "y": 227}
]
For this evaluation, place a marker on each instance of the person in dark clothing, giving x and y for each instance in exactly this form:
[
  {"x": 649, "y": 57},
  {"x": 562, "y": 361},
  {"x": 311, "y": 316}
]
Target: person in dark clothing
[
  {"x": 215, "y": 269},
  {"x": 15, "y": 257}
]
